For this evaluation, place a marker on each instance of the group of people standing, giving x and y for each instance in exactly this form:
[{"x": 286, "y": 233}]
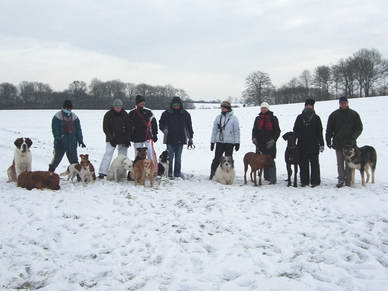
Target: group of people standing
[{"x": 139, "y": 128}]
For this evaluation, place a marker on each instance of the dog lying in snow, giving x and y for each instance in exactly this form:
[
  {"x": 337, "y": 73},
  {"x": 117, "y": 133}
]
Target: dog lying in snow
[
  {"x": 225, "y": 173},
  {"x": 38, "y": 180},
  {"x": 119, "y": 168}
]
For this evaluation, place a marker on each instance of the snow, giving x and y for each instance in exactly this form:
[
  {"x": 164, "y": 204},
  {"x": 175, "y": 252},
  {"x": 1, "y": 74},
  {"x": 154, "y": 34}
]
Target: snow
[{"x": 194, "y": 234}]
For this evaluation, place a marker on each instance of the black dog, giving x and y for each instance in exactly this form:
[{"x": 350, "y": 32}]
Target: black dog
[
  {"x": 292, "y": 157},
  {"x": 163, "y": 164},
  {"x": 363, "y": 158}
]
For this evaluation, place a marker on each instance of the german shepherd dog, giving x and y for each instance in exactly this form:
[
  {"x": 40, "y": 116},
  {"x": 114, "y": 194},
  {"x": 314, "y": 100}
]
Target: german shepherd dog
[{"x": 363, "y": 159}]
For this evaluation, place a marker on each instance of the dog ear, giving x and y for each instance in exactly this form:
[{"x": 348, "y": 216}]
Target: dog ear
[
  {"x": 28, "y": 142},
  {"x": 87, "y": 156},
  {"x": 18, "y": 142}
]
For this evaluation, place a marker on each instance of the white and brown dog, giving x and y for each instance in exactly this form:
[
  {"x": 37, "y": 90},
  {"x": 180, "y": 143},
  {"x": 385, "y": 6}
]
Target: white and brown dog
[
  {"x": 87, "y": 172},
  {"x": 225, "y": 173},
  {"x": 22, "y": 159},
  {"x": 119, "y": 168},
  {"x": 72, "y": 171}
]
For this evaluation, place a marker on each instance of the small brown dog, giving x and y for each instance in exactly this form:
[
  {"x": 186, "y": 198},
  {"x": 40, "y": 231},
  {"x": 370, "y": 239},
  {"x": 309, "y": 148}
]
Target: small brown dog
[
  {"x": 86, "y": 172},
  {"x": 142, "y": 170},
  {"x": 38, "y": 180},
  {"x": 141, "y": 154},
  {"x": 257, "y": 162}
]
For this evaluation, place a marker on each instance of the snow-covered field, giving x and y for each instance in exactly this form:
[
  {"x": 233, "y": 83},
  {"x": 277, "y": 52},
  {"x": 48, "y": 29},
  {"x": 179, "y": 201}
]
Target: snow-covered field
[{"x": 194, "y": 234}]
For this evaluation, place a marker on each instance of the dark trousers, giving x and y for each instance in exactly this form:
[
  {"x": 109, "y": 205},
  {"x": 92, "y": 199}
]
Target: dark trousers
[
  {"x": 58, "y": 155},
  {"x": 175, "y": 151},
  {"x": 221, "y": 148},
  {"x": 309, "y": 169}
]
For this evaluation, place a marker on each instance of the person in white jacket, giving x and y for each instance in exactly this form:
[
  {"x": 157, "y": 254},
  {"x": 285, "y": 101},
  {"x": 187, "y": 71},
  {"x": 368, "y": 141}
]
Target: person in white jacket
[{"x": 225, "y": 135}]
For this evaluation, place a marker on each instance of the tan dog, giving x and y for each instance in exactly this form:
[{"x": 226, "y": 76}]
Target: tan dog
[
  {"x": 87, "y": 172},
  {"x": 141, "y": 154},
  {"x": 257, "y": 162},
  {"x": 142, "y": 170},
  {"x": 38, "y": 180}
]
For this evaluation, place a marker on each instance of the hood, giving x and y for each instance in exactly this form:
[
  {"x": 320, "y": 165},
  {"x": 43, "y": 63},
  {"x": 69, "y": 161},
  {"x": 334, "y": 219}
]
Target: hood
[{"x": 176, "y": 100}]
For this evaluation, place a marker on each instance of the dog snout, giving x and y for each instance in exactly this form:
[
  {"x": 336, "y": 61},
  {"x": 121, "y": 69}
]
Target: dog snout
[{"x": 24, "y": 147}]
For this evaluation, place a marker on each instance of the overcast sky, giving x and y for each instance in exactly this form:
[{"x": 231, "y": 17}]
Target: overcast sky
[{"x": 205, "y": 47}]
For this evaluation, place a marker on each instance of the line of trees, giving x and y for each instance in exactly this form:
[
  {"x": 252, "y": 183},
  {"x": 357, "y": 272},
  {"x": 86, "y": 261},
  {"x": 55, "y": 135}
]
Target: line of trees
[
  {"x": 363, "y": 74},
  {"x": 98, "y": 95}
]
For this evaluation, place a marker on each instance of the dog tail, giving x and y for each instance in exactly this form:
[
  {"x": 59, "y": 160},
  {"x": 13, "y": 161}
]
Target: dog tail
[
  {"x": 373, "y": 158},
  {"x": 66, "y": 173}
]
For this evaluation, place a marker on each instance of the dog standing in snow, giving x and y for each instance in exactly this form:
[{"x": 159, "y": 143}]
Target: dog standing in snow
[
  {"x": 72, "y": 171},
  {"x": 119, "y": 168},
  {"x": 225, "y": 173},
  {"x": 22, "y": 159}
]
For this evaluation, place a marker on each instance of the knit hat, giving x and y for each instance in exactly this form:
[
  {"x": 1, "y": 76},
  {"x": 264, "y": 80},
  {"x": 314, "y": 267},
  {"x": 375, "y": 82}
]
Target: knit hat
[
  {"x": 264, "y": 105},
  {"x": 117, "y": 103},
  {"x": 309, "y": 101},
  {"x": 343, "y": 99},
  {"x": 67, "y": 104},
  {"x": 226, "y": 104},
  {"x": 176, "y": 100},
  {"x": 139, "y": 98}
]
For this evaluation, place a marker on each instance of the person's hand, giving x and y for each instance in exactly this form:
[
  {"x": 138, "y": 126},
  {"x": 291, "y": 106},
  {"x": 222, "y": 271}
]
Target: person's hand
[
  {"x": 82, "y": 145},
  {"x": 329, "y": 145},
  {"x": 270, "y": 144},
  {"x": 113, "y": 143},
  {"x": 155, "y": 138},
  {"x": 254, "y": 141},
  {"x": 190, "y": 142},
  {"x": 236, "y": 146},
  {"x": 321, "y": 149},
  {"x": 212, "y": 146},
  {"x": 128, "y": 144},
  {"x": 165, "y": 131}
]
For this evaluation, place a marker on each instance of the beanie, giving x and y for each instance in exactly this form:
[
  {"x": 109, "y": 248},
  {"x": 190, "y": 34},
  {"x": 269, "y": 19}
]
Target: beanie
[
  {"x": 67, "y": 104},
  {"x": 264, "y": 105},
  {"x": 309, "y": 101},
  {"x": 226, "y": 104},
  {"x": 139, "y": 98},
  {"x": 117, "y": 103},
  {"x": 343, "y": 99}
]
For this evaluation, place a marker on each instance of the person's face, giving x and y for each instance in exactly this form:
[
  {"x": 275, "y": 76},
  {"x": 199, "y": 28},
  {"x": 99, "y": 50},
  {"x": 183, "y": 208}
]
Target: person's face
[
  {"x": 141, "y": 104},
  {"x": 176, "y": 106},
  {"x": 264, "y": 109},
  {"x": 224, "y": 109},
  {"x": 117, "y": 108},
  {"x": 344, "y": 104},
  {"x": 309, "y": 106}
]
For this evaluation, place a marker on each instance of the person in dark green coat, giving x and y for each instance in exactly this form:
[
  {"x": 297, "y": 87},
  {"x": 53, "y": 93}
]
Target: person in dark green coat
[
  {"x": 66, "y": 129},
  {"x": 343, "y": 128}
]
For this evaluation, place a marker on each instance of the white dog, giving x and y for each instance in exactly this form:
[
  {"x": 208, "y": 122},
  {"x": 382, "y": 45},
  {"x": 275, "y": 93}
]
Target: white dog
[
  {"x": 225, "y": 173},
  {"x": 119, "y": 168},
  {"x": 22, "y": 159},
  {"x": 72, "y": 171}
]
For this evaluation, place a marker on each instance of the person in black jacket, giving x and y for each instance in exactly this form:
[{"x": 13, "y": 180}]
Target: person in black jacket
[
  {"x": 308, "y": 130},
  {"x": 176, "y": 125},
  {"x": 265, "y": 133},
  {"x": 117, "y": 131},
  {"x": 144, "y": 128}
]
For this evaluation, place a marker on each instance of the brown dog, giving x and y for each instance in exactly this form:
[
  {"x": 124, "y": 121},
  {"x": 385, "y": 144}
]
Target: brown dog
[
  {"x": 38, "y": 180},
  {"x": 141, "y": 154},
  {"x": 257, "y": 162},
  {"x": 142, "y": 170}
]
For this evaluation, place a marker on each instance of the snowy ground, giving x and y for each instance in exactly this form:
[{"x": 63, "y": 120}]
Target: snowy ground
[{"x": 194, "y": 234}]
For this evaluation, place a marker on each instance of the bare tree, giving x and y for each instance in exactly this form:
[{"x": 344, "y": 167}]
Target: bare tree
[{"x": 258, "y": 88}]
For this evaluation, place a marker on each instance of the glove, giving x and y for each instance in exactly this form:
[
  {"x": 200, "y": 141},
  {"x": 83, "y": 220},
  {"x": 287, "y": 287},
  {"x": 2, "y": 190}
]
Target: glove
[
  {"x": 113, "y": 143},
  {"x": 190, "y": 142},
  {"x": 329, "y": 145},
  {"x": 165, "y": 131},
  {"x": 81, "y": 144},
  {"x": 236, "y": 146},
  {"x": 128, "y": 144},
  {"x": 321, "y": 149},
  {"x": 155, "y": 138},
  {"x": 254, "y": 140},
  {"x": 212, "y": 146},
  {"x": 270, "y": 144}
]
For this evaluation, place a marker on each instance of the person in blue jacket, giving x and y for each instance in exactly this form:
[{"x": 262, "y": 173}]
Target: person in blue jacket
[{"x": 66, "y": 129}]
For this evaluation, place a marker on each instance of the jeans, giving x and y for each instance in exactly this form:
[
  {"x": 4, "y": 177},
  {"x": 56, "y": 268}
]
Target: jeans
[
  {"x": 109, "y": 150},
  {"x": 175, "y": 151},
  {"x": 58, "y": 156}
]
